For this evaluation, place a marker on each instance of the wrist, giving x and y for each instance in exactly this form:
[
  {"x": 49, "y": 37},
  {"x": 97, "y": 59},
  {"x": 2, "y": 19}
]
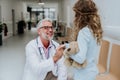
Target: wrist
[{"x": 55, "y": 58}]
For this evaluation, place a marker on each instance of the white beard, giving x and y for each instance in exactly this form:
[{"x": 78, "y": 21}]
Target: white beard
[{"x": 46, "y": 37}]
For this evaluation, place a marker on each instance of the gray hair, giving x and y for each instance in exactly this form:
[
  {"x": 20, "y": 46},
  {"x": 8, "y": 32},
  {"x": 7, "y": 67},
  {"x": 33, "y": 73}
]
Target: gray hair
[{"x": 39, "y": 25}]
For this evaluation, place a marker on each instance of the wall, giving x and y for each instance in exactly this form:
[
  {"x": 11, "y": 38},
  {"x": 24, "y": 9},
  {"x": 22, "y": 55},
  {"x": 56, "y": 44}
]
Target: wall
[
  {"x": 109, "y": 13},
  {"x": 67, "y": 12},
  {"x": 0, "y": 12},
  {"x": 6, "y": 13},
  {"x": 20, "y": 12},
  {"x": 108, "y": 10}
]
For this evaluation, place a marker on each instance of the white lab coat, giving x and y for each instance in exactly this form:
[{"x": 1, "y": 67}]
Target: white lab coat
[{"x": 37, "y": 66}]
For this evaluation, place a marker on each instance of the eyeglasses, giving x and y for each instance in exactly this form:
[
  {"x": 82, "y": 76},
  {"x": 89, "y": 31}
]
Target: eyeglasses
[{"x": 47, "y": 27}]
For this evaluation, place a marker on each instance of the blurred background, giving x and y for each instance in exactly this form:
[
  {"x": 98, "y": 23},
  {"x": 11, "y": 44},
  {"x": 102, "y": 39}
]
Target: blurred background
[{"x": 18, "y": 19}]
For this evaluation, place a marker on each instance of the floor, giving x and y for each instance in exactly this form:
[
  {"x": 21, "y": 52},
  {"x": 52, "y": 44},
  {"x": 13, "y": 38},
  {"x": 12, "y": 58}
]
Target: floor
[{"x": 12, "y": 55}]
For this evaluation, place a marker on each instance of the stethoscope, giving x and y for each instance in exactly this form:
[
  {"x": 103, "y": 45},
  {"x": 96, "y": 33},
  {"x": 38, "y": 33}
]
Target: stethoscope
[{"x": 43, "y": 50}]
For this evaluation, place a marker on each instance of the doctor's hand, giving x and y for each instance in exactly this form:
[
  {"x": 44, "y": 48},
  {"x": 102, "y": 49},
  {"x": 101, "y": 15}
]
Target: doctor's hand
[{"x": 59, "y": 53}]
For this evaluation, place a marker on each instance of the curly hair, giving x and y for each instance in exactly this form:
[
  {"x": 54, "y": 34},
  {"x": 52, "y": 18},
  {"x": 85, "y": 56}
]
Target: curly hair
[{"x": 86, "y": 15}]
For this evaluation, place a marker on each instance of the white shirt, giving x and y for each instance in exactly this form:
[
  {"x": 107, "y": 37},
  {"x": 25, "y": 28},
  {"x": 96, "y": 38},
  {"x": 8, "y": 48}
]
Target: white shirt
[
  {"x": 37, "y": 65},
  {"x": 88, "y": 51}
]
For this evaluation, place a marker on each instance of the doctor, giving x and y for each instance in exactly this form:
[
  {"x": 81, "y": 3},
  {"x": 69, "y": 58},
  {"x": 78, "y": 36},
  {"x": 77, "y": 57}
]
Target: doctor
[{"x": 44, "y": 55}]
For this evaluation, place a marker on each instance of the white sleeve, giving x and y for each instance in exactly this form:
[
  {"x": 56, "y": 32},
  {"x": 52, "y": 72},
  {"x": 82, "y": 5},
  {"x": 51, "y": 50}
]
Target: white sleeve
[
  {"x": 82, "y": 39},
  {"x": 62, "y": 70},
  {"x": 37, "y": 66}
]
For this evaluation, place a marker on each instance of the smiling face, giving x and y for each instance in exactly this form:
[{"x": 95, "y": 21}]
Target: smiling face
[{"x": 46, "y": 32}]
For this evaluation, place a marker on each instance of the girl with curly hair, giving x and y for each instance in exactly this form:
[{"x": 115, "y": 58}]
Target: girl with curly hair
[{"x": 88, "y": 33}]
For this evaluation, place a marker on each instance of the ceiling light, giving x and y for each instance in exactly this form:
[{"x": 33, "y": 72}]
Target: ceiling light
[{"x": 40, "y": 2}]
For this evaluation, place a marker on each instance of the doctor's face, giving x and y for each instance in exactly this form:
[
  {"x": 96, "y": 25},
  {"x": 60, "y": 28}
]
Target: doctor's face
[{"x": 46, "y": 31}]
